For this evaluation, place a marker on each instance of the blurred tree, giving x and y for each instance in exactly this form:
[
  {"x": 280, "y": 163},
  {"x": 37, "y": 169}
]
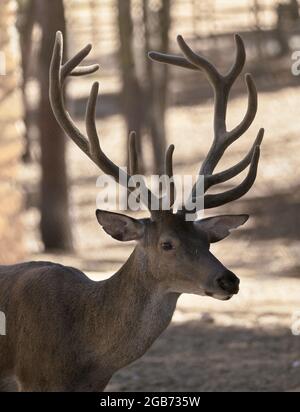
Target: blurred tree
[
  {"x": 144, "y": 102},
  {"x": 11, "y": 112},
  {"x": 132, "y": 94},
  {"x": 55, "y": 221},
  {"x": 287, "y": 15},
  {"x": 258, "y": 38},
  {"x": 25, "y": 24},
  {"x": 157, "y": 25}
]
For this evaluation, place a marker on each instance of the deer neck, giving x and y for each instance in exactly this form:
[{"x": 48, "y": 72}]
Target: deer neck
[{"x": 135, "y": 309}]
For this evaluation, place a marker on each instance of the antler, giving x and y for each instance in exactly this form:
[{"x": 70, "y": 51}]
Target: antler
[
  {"x": 90, "y": 145},
  {"x": 222, "y": 137}
]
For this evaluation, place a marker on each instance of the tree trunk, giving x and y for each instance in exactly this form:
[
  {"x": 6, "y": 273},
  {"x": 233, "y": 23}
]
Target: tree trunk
[
  {"x": 157, "y": 25},
  {"x": 55, "y": 221},
  {"x": 132, "y": 96},
  {"x": 287, "y": 15},
  {"x": 11, "y": 113},
  {"x": 25, "y": 26}
]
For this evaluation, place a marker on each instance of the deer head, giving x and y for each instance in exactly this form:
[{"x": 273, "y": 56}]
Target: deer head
[{"x": 174, "y": 251}]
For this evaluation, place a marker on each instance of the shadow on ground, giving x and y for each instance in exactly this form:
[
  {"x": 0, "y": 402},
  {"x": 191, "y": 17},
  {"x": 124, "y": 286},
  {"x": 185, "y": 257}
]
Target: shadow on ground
[{"x": 197, "y": 356}]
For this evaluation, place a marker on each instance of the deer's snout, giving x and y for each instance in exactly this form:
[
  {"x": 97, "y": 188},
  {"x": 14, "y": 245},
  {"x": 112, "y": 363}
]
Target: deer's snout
[{"x": 228, "y": 282}]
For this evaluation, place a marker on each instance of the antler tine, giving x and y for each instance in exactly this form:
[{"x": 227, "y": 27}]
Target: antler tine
[
  {"x": 70, "y": 67},
  {"x": 95, "y": 151},
  {"x": 100, "y": 158},
  {"x": 91, "y": 146},
  {"x": 220, "y": 199},
  {"x": 200, "y": 62},
  {"x": 233, "y": 171},
  {"x": 171, "y": 59},
  {"x": 239, "y": 62},
  {"x": 56, "y": 98},
  {"x": 132, "y": 155},
  {"x": 244, "y": 125},
  {"x": 169, "y": 173},
  {"x": 167, "y": 200},
  {"x": 90, "y": 123},
  {"x": 223, "y": 138}
]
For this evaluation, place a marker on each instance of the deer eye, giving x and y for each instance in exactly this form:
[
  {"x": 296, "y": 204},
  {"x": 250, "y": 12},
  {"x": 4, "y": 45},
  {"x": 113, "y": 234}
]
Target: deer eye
[{"x": 167, "y": 246}]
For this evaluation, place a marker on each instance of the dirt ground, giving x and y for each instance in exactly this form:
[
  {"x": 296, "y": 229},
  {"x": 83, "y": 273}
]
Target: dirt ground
[{"x": 247, "y": 342}]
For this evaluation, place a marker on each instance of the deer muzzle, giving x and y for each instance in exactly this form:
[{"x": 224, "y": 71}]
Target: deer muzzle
[{"x": 228, "y": 282}]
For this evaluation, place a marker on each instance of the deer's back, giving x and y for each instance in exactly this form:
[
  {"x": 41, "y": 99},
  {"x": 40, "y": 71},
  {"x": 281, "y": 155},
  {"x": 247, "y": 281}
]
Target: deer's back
[
  {"x": 36, "y": 280},
  {"x": 40, "y": 302}
]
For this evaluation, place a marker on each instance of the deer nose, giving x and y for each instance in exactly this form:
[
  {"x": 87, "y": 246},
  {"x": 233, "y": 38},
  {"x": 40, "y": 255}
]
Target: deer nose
[{"x": 228, "y": 282}]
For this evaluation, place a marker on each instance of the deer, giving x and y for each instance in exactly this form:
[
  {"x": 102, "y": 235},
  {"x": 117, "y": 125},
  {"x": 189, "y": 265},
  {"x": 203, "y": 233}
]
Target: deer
[{"x": 67, "y": 332}]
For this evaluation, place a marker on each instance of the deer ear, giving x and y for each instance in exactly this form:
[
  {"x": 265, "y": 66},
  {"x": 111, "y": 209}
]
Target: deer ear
[
  {"x": 120, "y": 227},
  {"x": 219, "y": 227}
]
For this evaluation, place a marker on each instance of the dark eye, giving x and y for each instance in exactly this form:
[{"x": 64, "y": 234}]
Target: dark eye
[{"x": 167, "y": 246}]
